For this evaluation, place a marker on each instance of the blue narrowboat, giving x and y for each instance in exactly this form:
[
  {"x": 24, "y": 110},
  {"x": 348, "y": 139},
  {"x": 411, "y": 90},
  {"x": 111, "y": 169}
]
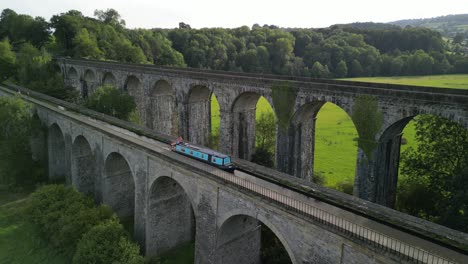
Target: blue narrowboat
[{"x": 209, "y": 156}]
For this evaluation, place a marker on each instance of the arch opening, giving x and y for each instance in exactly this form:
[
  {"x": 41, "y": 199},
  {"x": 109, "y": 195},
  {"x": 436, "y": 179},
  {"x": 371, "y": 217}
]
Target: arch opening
[
  {"x": 83, "y": 166},
  {"x": 88, "y": 83},
  {"x": 119, "y": 186},
  {"x": 171, "y": 219},
  {"x": 199, "y": 115},
  {"x": 57, "y": 154},
  {"x": 109, "y": 80},
  {"x": 265, "y": 134},
  {"x": 133, "y": 87},
  {"x": 215, "y": 123},
  {"x": 73, "y": 79},
  {"x": 419, "y": 160},
  {"x": 161, "y": 112},
  {"x": 244, "y": 239},
  {"x": 245, "y": 118},
  {"x": 335, "y": 148}
]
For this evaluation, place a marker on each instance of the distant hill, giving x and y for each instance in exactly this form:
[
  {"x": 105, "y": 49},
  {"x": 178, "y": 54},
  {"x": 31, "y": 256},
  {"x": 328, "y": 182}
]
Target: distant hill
[
  {"x": 448, "y": 26},
  {"x": 368, "y": 26}
]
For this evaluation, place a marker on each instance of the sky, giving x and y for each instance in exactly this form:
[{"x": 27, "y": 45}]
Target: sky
[{"x": 230, "y": 14}]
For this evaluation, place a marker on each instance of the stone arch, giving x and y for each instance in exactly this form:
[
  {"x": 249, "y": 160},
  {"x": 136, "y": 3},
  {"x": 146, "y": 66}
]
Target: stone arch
[
  {"x": 302, "y": 140},
  {"x": 119, "y": 186},
  {"x": 199, "y": 115},
  {"x": 57, "y": 154},
  {"x": 73, "y": 78},
  {"x": 84, "y": 171},
  {"x": 387, "y": 163},
  {"x": 161, "y": 112},
  {"x": 335, "y": 131},
  {"x": 109, "y": 79},
  {"x": 134, "y": 87},
  {"x": 243, "y": 110},
  {"x": 89, "y": 78},
  {"x": 239, "y": 238},
  {"x": 171, "y": 218}
]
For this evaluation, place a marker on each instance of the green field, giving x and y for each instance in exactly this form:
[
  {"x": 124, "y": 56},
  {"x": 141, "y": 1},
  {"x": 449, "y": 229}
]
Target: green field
[
  {"x": 457, "y": 81},
  {"x": 19, "y": 239},
  {"x": 335, "y": 147}
]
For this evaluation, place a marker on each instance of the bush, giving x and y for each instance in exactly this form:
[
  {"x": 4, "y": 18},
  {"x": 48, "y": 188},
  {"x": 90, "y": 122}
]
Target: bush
[
  {"x": 108, "y": 100},
  {"x": 64, "y": 215},
  {"x": 346, "y": 187},
  {"x": 107, "y": 243}
]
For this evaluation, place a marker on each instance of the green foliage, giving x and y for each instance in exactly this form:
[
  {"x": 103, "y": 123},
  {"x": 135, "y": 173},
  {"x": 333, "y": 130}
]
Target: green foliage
[
  {"x": 319, "y": 71},
  {"x": 284, "y": 98},
  {"x": 107, "y": 243},
  {"x": 17, "y": 168},
  {"x": 24, "y": 28},
  {"x": 272, "y": 250},
  {"x": 368, "y": 120},
  {"x": 365, "y": 50},
  {"x": 86, "y": 46},
  {"x": 345, "y": 187},
  {"x": 36, "y": 70},
  {"x": 64, "y": 215},
  {"x": 265, "y": 128},
  {"x": 435, "y": 185},
  {"x": 263, "y": 156},
  {"x": 341, "y": 69},
  {"x": 110, "y": 101},
  {"x": 20, "y": 240},
  {"x": 7, "y": 60}
]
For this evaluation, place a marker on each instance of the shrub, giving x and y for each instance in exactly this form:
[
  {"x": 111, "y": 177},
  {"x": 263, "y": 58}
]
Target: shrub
[
  {"x": 110, "y": 101},
  {"x": 105, "y": 243},
  {"x": 346, "y": 187},
  {"x": 64, "y": 215}
]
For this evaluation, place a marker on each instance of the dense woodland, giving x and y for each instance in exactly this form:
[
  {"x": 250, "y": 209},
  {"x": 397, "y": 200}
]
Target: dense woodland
[{"x": 353, "y": 50}]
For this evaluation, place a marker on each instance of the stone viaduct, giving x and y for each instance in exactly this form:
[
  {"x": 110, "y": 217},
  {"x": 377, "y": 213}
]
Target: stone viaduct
[
  {"x": 174, "y": 199},
  {"x": 176, "y": 101}
]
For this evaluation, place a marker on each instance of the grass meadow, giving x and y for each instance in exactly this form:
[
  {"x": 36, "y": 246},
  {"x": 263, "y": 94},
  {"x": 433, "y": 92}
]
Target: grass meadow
[
  {"x": 335, "y": 145},
  {"x": 20, "y": 241}
]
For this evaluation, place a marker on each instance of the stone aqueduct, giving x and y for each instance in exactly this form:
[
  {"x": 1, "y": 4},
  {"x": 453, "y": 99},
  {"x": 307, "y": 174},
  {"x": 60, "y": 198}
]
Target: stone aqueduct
[
  {"x": 173, "y": 199},
  {"x": 177, "y": 102}
]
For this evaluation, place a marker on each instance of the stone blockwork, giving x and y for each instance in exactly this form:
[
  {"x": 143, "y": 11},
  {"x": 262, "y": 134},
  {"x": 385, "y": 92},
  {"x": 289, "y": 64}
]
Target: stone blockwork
[
  {"x": 177, "y": 102},
  {"x": 174, "y": 199}
]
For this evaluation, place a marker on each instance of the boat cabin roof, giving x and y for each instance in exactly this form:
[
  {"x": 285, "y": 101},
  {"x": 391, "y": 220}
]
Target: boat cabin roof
[{"x": 204, "y": 150}]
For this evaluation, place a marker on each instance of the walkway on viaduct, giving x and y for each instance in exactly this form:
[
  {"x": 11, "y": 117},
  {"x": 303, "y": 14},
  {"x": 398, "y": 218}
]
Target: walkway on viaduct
[
  {"x": 174, "y": 199},
  {"x": 176, "y": 101}
]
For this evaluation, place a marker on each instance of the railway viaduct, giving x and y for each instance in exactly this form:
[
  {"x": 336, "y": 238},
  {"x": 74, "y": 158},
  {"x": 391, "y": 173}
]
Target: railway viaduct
[
  {"x": 176, "y": 101},
  {"x": 173, "y": 199}
]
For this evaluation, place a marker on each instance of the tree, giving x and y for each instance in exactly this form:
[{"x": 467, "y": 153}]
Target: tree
[
  {"x": 265, "y": 128},
  {"x": 437, "y": 170},
  {"x": 341, "y": 69},
  {"x": 110, "y": 101},
  {"x": 458, "y": 39},
  {"x": 319, "y": 71},
  {"x": 110, "y": 16},
  {"x": 107, "y": 243},
  {"x": 85, "y": 46},
  {"x": 7, "y": 60},
  {"x": 356, "y": 69},
  {"x": 17, "y": 168}
]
